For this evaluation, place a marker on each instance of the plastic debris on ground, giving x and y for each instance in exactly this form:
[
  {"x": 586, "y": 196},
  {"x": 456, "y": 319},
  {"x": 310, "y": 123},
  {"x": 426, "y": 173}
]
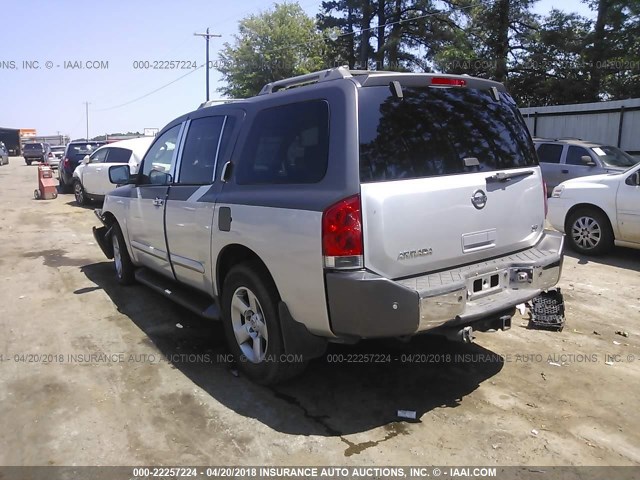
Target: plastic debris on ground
[{"x": 547, "y": 310}]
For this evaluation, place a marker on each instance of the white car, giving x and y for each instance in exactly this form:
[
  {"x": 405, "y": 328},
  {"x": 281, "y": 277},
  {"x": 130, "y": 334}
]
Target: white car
[
  {"x": 91, "y": 176},
  {"x": 598, "y": 211}
]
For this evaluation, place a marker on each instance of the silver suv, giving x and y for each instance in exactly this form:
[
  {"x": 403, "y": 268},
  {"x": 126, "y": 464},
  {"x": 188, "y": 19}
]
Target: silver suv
[
  {"x": 337, "y": 206},
  {"x": 566, "y": 158}
]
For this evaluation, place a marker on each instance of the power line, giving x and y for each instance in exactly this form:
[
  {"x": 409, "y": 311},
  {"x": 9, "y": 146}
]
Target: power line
[{"x": 151, "y": 92}]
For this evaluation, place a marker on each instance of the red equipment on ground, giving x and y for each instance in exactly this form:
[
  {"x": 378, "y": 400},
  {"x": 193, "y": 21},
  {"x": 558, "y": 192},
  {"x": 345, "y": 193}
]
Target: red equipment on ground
[{"x": 47, "y": 188}]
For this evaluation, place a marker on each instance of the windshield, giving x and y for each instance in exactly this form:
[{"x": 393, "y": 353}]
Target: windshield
[
  {"x": 614, "y": 157},
  {"x": 77, "y": 151},
  {"x": 439, "y": 131}
]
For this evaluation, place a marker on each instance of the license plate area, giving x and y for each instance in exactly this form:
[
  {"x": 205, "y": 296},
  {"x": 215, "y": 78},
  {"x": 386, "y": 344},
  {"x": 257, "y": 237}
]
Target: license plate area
[{"x": 486, "y": 284}]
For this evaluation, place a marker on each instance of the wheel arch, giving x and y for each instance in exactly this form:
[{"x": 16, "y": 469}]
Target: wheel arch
[
  {"x": 109, "y": 219},
  {"x": 234, "y": 254},
  {"x": 587, "y": 206}
]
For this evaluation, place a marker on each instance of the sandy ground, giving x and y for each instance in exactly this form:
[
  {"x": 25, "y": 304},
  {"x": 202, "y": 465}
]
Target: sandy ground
[{"x": 500, "y": 401}]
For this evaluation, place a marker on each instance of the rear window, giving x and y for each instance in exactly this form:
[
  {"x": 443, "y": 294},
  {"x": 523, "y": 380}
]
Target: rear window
[
  {"x": 57, "y": 149},
  {"x": 33, "y": 146},
  {"x": 431, "y": 131},
  {"x": 77, "y": 151}
]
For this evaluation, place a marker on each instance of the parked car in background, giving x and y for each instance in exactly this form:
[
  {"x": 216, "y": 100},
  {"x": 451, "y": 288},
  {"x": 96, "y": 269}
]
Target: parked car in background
[
  {"x": 36, "y": 152},
  {"x": 4, "y": 155},
  {"x": 564, "y": 159},
  {"x": 58, "y": 153},
  {"x": 599, "y": 211},
  {"x": 73, "y": 155},
  {"x": 337, "y": 206},
  {"x": 91, "y": 177}
]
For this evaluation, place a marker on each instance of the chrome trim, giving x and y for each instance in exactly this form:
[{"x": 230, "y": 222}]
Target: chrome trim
[
  {"x": 154, "y": 252},
  {"x": 176, "y": 161},
  {"x": 215, "y": 162},
  {"x": 187, "y": 263}
]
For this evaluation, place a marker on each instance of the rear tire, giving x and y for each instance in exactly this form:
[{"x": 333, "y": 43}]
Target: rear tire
[
  {"x": 78, "y": 191},
  {"x": 28, "y": 162},
  {"x": 252, "y": 325},
  {"x": 125, "y": 270},
  {"x": 589, "y": 232},
  {"x": 64, "y": 187}
]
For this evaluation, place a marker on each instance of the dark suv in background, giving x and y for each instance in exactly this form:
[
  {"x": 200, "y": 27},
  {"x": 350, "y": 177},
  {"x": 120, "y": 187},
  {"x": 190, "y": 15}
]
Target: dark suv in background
[
  {"x": 36, "y": 152},
  {"x": 73, "y": 155}
]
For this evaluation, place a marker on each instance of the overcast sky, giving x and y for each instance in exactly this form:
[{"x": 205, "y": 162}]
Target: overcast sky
[{"x": 114, "y": 34}]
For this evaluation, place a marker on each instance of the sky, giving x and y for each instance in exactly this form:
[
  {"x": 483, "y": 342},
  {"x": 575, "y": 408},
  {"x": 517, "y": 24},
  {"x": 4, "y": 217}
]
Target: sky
[{"x": 42, "y": 43}]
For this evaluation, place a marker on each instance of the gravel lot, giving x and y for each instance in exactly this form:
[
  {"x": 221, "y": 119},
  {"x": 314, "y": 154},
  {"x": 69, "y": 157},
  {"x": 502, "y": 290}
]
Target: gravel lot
[{"x": 85, "y": 378}]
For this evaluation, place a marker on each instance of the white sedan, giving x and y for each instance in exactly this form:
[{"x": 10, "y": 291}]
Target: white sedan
[
  {"x": 91, "y": 176},
  {"x": 598, "y": 211}
]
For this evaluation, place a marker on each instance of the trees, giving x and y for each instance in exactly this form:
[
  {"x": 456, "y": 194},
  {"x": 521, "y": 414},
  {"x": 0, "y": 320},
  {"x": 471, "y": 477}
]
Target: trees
[{"x": 276, "y": 44}]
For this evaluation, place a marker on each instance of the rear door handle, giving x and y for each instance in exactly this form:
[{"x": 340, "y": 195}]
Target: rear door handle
[
  {"x": 158, "y": 202},
  {"x": 565, "y": 171}
]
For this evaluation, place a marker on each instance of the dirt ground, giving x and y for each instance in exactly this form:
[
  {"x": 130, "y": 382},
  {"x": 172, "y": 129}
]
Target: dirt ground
[{"x": 85, "y": 377}]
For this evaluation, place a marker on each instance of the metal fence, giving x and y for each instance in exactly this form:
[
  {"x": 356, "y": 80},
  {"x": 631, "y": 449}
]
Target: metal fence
[{"x": 614, "y": 123}]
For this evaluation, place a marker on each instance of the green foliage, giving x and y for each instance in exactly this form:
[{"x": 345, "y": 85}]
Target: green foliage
[{"x": 276, "y": 44}]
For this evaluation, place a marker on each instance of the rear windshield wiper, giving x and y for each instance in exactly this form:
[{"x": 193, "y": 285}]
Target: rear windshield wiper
[{"x": 505, "y": 177}]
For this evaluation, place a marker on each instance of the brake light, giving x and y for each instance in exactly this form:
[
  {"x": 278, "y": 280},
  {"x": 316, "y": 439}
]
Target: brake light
[
  {"x": 546, "y": 202},
  {"x": 66, "y": 163},
  {"x": 448, "y": 82},
  {"x": 50, "y": 155},
  {"x": 342, "y": 234}
]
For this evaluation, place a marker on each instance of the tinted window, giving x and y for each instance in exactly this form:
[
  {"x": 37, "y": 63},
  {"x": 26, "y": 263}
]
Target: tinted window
[
  {"x": 199, "y": 153},
  {"x": 33, "y": 146},
  {"x": 575, "y": 154},
  {"x": 157, "y": 161},
  {"x": 118, "y": 155},
  {"x": 99, "y": 156},
  {"x": 287, "y": 144},
  {"x": 433, "y": 130},
  {"x": 77, "y": 151},
  {"x": 550, "y": 153}
]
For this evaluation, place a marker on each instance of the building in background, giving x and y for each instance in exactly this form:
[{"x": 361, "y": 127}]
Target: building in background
[
  {"x": 612, "y": 123},
  {"x": 11, "y": 139}
]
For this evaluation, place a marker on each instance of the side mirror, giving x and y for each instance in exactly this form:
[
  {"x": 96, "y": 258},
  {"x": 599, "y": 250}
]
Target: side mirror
[
  {"x": 119, "y": 174},
  {"x": 157, "y": 177},
  {"x": 588, "y": 161},
  {"x": 86, "y": 159},
  {"x": 633, "y": 180}
]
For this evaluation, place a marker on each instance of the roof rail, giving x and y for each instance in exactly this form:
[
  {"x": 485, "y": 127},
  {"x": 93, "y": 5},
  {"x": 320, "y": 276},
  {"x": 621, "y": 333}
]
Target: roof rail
[
  {"x": 314, "y": 77},
  {"x": 219, "y": 101}
]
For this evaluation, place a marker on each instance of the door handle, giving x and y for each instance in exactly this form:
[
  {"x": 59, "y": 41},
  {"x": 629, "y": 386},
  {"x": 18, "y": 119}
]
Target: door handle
[
  {"x": 158, "y": 202},
  {"x": 565, "y": 171}
]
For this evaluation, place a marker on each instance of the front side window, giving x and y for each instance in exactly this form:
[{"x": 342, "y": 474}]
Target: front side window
[
  {"x": 575, "y": 154},
  {"x": 550, "y": 152},
  {"x": 199, "y": 153},
  {"x": 288, "y": 144},
  {"x": 159, "y": 158},
  {"x": 99, "y": 156}
]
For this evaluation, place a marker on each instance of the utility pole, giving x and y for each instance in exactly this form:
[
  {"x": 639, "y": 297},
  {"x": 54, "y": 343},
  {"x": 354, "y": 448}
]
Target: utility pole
[
  {"x": 207, "y": 36},
  {"x": 86, "y": 105}
]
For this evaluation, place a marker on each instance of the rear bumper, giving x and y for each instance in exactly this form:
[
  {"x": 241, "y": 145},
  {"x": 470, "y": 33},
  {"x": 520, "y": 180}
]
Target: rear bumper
[{"x": 365, "y": 305}]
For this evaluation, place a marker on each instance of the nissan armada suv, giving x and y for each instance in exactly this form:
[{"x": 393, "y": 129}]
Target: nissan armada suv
[{"x": 338, "y": 206}]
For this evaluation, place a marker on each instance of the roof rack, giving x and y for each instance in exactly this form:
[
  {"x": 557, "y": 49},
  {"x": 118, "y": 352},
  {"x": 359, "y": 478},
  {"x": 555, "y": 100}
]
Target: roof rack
[
  {"x": 219, "y": 101},
  {"x": 314, "y": 77}
]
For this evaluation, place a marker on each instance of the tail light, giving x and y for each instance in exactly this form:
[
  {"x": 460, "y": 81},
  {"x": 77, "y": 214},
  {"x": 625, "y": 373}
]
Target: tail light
[
  {"x": 342, "y": 234},
  {"x": 546, "y": 202},
  {"x": 66, "y": 164},
  {"x": 50, "y": 155},
  {"x": 448, "y": 82}
]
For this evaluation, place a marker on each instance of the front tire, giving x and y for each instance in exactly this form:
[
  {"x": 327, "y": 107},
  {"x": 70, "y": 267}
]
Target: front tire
[
  {"x": 125, "y": 270},
  {"x": 252, "y": 325},
  {"x": 78, "y": 191},
  {"x": 589, "y": 232}
]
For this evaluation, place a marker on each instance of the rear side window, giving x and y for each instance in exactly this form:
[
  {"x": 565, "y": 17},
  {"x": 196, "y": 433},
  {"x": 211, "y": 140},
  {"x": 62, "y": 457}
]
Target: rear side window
[
  {"x": 575, "y": 154},
  {"x": 287, "y": 144},
  {"x": 439, "y": 131},
  {"x": 118, "y": 155},
  {"x": 550, "y": 153},
  {"x": 199, "y": 155}
]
